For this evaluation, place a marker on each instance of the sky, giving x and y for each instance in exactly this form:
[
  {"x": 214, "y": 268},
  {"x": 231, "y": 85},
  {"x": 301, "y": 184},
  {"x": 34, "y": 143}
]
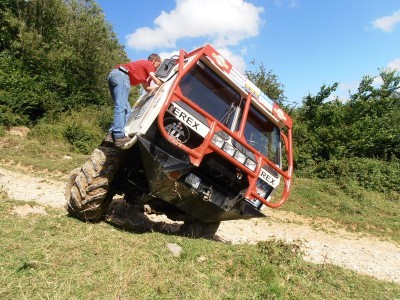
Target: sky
[{"x": 306, "y": 43}]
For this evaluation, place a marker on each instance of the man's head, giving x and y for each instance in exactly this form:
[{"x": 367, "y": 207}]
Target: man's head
[{"x": 155, "y": 59}]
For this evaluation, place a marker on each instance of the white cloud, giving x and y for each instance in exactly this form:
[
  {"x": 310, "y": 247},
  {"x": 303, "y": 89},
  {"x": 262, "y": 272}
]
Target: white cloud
[
  {"x": 223, "y": 22},
  {"x": 394, "y": 64},
  {"x": 387, "y": 23},
  {"x": 346, "y": 87},
  {"x": 165, "y": 55},
  {"x": 236, "y": 60},
  {"x": 293, "y": 4}
]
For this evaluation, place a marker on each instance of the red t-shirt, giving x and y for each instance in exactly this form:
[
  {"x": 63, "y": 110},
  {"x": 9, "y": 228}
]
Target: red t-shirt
[{"x": 139, "y": 71}]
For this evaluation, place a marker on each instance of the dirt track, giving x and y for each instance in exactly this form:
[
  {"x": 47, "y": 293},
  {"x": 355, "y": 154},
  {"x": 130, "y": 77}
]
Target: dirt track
[{"x": 366, "y": 255}]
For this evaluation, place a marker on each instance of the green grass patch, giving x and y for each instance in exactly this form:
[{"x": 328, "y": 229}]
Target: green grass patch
[
  {"x": 56, "y": 257},
  {"x": 52, "y": 155}
]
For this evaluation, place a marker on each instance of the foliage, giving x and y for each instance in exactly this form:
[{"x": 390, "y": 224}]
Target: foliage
[
  {"x": 268, "y": 82},
  {"x": 85, "y": 128},
  {"x": 328, "y": 134},
  {"x": 374, "y": 118},
  {"x": 55, "y": 56},
  {"x": 372, "y": 174}
]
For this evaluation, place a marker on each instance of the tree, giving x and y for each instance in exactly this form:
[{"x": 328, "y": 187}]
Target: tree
[
  {"x": 268, "y": 83},
  {"x": 373, "y": 117},
  {"x": 367, "y": 126},
  {"x": 55, "y": 56},
  {"x": 317, "y": 127}
]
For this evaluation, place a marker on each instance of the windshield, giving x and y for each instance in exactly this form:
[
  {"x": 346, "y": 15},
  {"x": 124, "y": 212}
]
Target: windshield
[
  {"x": 263, "y": 135},
  {"x": 211, "y": 93}
]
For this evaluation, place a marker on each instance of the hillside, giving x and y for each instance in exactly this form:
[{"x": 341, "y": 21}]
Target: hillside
[{"x": 322, "y": 241}]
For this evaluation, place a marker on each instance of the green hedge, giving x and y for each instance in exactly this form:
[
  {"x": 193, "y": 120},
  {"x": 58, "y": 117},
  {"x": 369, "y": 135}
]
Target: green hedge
[{"x": 372, "y": 174}]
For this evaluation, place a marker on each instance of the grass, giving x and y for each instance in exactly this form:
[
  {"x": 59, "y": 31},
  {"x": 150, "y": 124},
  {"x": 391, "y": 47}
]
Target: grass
[
  {"x": 57, "y": 257},
  {"x": 54, "y": 156}
]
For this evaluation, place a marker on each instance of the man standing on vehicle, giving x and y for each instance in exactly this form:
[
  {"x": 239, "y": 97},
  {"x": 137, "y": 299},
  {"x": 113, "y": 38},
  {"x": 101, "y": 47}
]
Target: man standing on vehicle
[{"x": 120, "y": 80}]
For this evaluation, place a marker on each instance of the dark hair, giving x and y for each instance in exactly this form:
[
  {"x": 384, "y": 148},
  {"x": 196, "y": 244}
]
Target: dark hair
[{"x": 154, "y": 57}]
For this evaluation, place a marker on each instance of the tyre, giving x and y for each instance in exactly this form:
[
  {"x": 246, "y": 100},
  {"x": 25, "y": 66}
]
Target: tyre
[
  {"x": 88, "y": 191},
  {"x": 198, "y": 229}
]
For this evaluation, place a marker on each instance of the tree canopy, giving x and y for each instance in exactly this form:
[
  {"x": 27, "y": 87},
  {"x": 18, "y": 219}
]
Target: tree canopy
[
  {"x": 368, "y": 125},
  {"x": 55, "y": 55}
]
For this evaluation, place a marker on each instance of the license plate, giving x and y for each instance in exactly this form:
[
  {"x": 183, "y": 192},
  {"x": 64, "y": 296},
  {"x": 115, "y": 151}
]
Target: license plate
[{"x": 193, "y": 180}]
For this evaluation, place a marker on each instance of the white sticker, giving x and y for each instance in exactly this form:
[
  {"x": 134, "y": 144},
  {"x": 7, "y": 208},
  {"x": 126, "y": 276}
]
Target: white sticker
[
  {"x": 187, "y": 118},
  {"x": 269, "y": 178},
  {"x": 193, "y": 180}
]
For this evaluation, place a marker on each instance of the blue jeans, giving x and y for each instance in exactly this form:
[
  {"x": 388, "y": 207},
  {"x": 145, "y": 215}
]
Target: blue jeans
[{"x": 119, "y": 85}]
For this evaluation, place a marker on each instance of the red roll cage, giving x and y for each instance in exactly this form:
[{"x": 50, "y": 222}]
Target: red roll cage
[{"x": 254, "y": 95}]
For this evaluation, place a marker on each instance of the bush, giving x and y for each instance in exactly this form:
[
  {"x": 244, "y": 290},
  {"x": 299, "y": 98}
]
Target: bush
[
  {"x": 83, "y": 129},
  {"x": 86, "y": 128},
  {"x": 82, "y": 138},
  {"x": 372, "y": 174}
]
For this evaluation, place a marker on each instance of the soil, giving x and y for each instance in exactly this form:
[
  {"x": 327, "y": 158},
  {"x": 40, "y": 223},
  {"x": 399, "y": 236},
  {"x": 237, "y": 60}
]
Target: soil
[{"x": 322, "y": 241}]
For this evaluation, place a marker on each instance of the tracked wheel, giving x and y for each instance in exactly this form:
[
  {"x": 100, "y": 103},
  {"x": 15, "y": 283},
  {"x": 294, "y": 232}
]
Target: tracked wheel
[{"x": 88, "y": 191}]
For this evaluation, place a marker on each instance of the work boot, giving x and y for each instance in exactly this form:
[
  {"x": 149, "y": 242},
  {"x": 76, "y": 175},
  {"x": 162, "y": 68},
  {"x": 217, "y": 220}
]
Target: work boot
[
  {"x": 109, "y": 137},
  {"x": 121, "y": 141}
]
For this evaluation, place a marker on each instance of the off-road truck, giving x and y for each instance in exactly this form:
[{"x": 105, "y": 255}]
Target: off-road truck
[{"x": 206, "y": 146}]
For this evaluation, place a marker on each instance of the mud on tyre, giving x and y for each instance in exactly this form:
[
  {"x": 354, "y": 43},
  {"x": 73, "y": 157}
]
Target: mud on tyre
[{"x": 89, "y": 190}]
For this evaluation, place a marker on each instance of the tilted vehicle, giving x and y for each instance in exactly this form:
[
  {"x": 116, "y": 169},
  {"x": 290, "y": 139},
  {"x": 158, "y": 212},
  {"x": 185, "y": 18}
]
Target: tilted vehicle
[{"x": 207, "y": 146}]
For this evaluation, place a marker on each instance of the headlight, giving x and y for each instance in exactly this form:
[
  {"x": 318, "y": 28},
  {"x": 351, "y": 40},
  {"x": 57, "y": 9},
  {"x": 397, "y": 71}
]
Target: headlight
[
  {"x": 239, "y": 156},
  {"x": 250, "y": 164},
  {"x": 218, "y": 141},
  {"x": 229, "y": 149}
]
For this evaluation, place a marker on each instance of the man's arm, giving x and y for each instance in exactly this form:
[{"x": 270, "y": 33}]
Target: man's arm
[{"x": 156, "y": 81}]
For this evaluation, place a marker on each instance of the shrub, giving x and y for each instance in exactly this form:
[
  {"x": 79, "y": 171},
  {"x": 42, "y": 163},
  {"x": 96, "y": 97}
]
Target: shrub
[
  {"x": 82, "y": 138},
  {"x": 372, "y": 174},
  {"x": 83, "y": 129}
]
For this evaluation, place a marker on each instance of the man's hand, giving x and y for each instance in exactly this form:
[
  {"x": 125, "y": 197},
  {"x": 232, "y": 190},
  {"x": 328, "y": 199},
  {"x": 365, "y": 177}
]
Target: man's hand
[{"x": 155, "y": 79}]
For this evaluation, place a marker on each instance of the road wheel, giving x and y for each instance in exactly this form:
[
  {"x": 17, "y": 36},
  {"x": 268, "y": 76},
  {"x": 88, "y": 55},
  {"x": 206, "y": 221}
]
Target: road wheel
[
  {"x": 198, "y": 229},
  {"x": 88, "y": 191}
]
